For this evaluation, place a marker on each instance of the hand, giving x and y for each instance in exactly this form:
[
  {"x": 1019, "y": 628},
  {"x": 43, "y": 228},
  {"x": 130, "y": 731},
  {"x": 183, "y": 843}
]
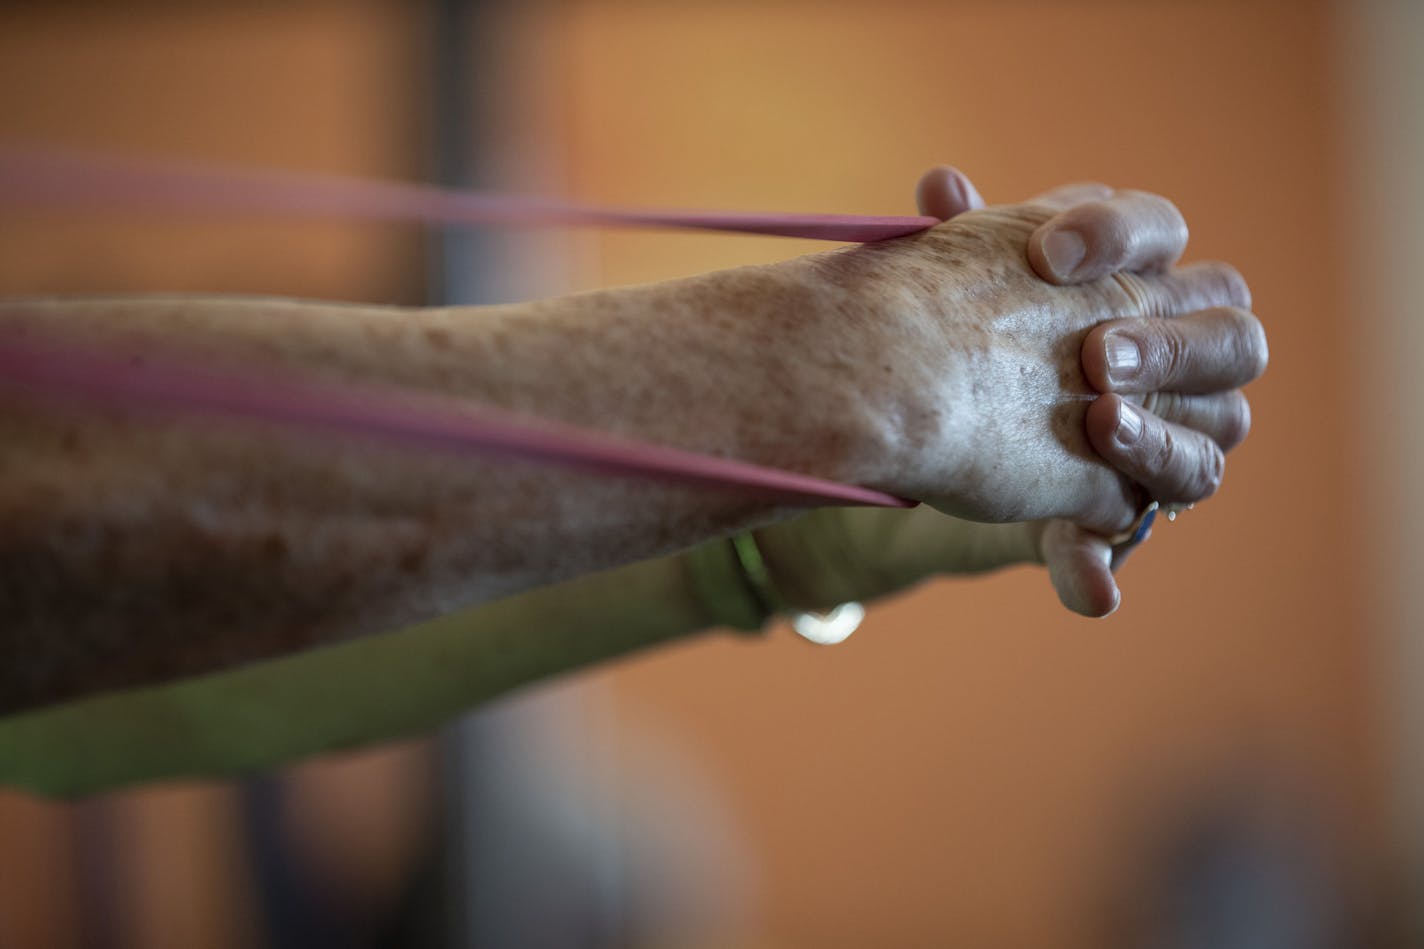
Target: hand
[
  {"x": 1195, "y": 411},
  {"x": 973, "y": 364},
  {"x": 1188, "y": 371}
]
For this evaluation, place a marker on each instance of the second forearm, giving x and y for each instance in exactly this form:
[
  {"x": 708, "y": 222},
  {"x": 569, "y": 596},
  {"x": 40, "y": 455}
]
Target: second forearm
[{"x": 375, "y": 689}]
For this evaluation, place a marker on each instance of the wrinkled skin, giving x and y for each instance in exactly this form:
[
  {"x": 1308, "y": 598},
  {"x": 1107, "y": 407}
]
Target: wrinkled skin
[
  {"x": 1001, "y": 436},
  {"x": 1049, "y": 433},
  {"x": 958, "y": 366}
]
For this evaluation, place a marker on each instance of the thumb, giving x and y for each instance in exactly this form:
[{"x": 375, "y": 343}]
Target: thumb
[{"x": 1080, "y": 566}]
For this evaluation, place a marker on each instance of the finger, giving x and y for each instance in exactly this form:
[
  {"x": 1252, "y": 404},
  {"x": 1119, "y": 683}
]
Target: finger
[
  {"x": 945, "y": 192},
  {"x": 1066, "y": 196},
  {"x": 1210, "y": 351},
  {"x": 1224, "y": 417},
  {"x": 1131, "y": 230},
  {"x": 1199, "y": 286},
  {"x": 1080, "y": 568},
  {"x": 1172, "y": 463}
]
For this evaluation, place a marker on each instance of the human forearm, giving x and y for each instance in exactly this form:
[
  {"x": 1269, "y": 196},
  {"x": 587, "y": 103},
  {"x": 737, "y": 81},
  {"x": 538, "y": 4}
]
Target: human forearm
[
  {"x": 937, "y": 366},
  {"x": 137, "y": 548},
  {"x": 372, "y": 689}
]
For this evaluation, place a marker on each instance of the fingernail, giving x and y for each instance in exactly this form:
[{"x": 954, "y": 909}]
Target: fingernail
[
  {"x": 1124, "y": 357},
  {"x": 1064, "y": 250},
  {"x": 1129, "y": 424}
]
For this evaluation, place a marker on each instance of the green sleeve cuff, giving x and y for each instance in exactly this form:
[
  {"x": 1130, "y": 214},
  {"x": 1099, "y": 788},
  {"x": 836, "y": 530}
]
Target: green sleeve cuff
[{"x": 720, "y": 585}]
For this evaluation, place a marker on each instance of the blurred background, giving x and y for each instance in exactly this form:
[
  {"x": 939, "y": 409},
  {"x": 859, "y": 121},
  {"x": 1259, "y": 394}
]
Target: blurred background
[{"x": 1236, "y": 759}]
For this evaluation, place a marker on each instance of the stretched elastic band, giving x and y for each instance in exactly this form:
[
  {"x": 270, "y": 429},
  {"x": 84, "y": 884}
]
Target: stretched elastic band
[
  {"x": 76, "y": 371},
  {"x": 46, "y": 177}
]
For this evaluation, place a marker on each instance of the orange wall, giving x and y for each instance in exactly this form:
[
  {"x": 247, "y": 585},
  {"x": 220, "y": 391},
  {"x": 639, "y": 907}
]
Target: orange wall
[
  {"x": 974, "y": 764},
  {"x": 319, "y": 85}
]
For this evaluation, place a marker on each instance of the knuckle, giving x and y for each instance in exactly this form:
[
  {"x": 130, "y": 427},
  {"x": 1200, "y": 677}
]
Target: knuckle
[
  {"x": 1235, "y": 423},
  {"x": 1107, "y": 231},
  {"x": 1199, "y": 464},
  {"x": 1164, "y": 214},
  {"x": 1260, "y": 348},
  {"x": 1165, "y": 354},
  {"x": 1139, "y": 300},
  {"x": 1248, "y": 347},
  {"x": 1190, "y": 467},
  {"x": 1176, "y": 224},
  {"x": 1210, "y": 468},
  {"x": 1230, "y": 287},
  {"x": 1160, "y": 455}
]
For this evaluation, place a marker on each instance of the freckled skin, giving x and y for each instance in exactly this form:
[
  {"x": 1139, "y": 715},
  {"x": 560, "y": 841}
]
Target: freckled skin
[
  {"x": 993, "y": 426},
  {"x": 134, "y": 549}
]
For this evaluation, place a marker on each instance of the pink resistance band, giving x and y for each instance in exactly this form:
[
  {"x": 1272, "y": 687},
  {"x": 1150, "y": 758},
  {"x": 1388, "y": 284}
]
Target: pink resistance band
[
  {"x": 75, "y": 371},
  {"x": 49, "y": 178}
]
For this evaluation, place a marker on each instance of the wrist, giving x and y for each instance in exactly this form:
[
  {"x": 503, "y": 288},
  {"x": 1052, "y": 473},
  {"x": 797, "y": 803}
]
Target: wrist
[
  {"x": 887, "y": 347},
  {"x": 805, "y": 373}
]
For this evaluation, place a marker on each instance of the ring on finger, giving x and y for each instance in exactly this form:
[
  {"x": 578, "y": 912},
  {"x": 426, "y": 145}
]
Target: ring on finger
[{"x": 1137, "y": 532}]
